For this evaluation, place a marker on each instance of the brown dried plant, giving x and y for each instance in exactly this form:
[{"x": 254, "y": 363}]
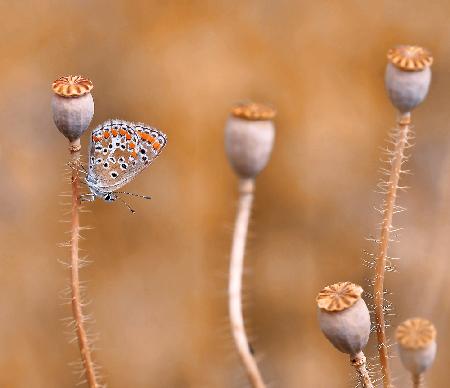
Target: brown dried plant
[
  {"x": 407, "y": 78},
  {"x": 417, "y": 346},
  {"x": 73, "y": 108},
  {"x": 345, "y": 320},
  {"x": 249, "y": 136}
]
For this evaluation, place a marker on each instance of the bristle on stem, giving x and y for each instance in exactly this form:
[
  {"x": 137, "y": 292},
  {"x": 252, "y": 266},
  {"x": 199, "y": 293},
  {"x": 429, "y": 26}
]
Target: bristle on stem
[
  {"x": 391, "y": 189},
  {"x": 246, "y": 190},
  {"x": 82, "y": 336}
]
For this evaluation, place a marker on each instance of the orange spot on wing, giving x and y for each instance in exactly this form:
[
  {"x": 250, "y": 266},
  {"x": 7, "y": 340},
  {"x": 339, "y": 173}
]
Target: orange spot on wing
[
  {"x": 150, "y": 139},
  {"x": 128, "y": 136},
  {"x": 106, "y": 134},
  {"x": 95, "y": 138},
  {"x": 114, "y": 132},
  {"x": 145, "y": 136},
  {"x": 156, "y": 146},
  {"x": 131, "y": 145},
  {"x": 134, "y": 154},
  {"x": 122, "y": 131}
]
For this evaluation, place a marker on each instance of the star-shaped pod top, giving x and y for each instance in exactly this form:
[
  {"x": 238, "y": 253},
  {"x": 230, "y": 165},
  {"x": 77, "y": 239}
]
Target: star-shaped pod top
[
  {"x": 253, "y": 111},
  {"x": 72, "y": 86},
  {"x": 339, "y": 296},
  {"x": 415, "y": 333},
  {"x": 410, "y": 58}
]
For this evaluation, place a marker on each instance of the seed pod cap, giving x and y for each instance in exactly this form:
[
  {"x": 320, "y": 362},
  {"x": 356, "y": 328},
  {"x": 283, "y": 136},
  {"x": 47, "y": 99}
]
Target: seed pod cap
[
  {"x": 72, "y": 86},
  {"x": 410, "y": 58}
]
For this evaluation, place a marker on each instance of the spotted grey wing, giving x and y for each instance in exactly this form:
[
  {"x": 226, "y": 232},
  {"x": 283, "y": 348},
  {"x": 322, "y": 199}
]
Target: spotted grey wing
[{"x": 120, "y": 150}]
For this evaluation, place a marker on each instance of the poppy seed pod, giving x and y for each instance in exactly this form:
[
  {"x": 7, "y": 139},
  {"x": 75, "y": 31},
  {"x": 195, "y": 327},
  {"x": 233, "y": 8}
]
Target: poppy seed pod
[
  {"x": 408, "y": 76},
  {"x": 416, "y": 339},
  {"x": 344, "y": 317},
  {"x": 72, "y": 105},
  {"x": 249, "y": 137}
]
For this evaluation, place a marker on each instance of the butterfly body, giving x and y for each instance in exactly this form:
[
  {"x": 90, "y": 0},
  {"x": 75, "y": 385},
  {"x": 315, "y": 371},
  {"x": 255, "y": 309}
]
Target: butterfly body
[{"x": 119, "y": 151}]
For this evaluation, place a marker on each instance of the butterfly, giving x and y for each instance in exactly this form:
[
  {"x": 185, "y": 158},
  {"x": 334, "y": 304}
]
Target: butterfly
[{"x": 120, "y": 150}]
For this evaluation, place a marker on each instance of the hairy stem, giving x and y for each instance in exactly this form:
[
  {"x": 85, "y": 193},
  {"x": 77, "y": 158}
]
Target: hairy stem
[
  {"x": 83, "y": 342},
  {"x": 360, "y": 364},
  {"x": 397, "y": 160},
  {"x": 418, "y": 380},
  {"x": 246, "y": 191}
]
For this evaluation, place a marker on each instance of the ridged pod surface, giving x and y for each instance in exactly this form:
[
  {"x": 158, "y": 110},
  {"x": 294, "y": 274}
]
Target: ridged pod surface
[
  {"x": 410, "y": 58},
  {"x": 72, "y": 86}
]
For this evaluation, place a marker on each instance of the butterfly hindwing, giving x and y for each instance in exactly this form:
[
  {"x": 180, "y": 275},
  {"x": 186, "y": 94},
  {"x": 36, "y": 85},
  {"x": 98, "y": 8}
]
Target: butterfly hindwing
[{"x": 120, "y": 150}]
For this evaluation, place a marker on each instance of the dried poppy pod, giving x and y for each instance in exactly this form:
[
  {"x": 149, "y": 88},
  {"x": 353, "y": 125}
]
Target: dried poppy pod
[
  {"x": 408, "y": 76},
  {"x": 72, "y": 105},
  {"x": 416, "y": 339},
  {"x": 345, "y": 321},
  {"x": 344, "y": 317},
  {"x": 249, "y": 137}
]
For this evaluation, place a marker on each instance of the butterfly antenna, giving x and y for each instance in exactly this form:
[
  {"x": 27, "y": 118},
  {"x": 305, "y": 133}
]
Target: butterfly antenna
[
  {"x": 126, "y": 204},
  {"x": 134, "y": 194}
]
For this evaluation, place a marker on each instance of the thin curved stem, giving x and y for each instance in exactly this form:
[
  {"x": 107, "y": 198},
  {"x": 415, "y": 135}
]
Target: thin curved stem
[
  {"x": 360, "y": 364},
  {"x": 83, "y": 341},
  {"x": 246, "y": 192},
  {"x": 397, "y": 159}
]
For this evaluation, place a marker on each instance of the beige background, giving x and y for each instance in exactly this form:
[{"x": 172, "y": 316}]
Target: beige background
[{"x": 158, "y": 281}]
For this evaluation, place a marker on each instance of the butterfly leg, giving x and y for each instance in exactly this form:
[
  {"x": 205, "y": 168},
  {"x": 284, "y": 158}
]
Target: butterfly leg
[
  {"x": 81, "y": 168},
  {"x": 87, "y": 197}
]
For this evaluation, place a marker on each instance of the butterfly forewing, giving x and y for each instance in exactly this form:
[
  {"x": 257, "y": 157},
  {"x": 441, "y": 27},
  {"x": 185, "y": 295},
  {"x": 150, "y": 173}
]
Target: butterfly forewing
[{"x": 120, "y": 150}]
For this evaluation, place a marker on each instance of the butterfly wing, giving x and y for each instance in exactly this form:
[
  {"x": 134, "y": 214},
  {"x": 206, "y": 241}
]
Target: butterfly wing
[{"x": 120, "y": 150}]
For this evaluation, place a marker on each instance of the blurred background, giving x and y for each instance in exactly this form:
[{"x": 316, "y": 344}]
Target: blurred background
[{"x": 158, "y": 279}]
